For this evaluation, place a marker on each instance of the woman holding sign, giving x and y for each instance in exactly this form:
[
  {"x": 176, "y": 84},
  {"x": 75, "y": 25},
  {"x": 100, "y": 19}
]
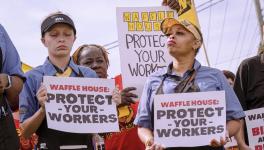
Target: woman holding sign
[
  {"x": 96, "y": 57},
  {"x": 185, "y": 74},
  {"x": 58, "y": 35}
]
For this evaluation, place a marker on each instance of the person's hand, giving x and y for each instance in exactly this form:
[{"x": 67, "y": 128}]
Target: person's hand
[
  {"x": 151, "y": 145},
  {"x": 244, "y": 147},
  {"x": 3, "y": 82},
  {"x": 216, "y": 143},
  {"x": 222, "y": 142},
  {"x": 116, "y": 96},
  {"x": 173, "y": 4},
  {"x": 42, "y": 95},
  {"x": 155, "y": 146},
  {"x": 126, "y": 96}
]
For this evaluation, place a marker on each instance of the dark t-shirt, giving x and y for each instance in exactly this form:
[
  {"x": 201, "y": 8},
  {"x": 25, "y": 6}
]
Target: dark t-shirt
[{"x": 249, "y": 83}]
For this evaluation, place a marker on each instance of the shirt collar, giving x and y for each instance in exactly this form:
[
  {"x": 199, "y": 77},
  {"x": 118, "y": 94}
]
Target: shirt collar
[
  {"x": 49, "y": 69},
  {"x": 196, "y": 66}
]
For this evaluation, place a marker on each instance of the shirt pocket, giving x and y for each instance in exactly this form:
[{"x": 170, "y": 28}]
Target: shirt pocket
[{"x": 209, "y": 86}]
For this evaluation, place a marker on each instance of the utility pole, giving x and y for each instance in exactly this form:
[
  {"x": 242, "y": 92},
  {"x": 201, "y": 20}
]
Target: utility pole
[
  {"x": 260, "y": 18},
  {"x": 203, "y": 45}
]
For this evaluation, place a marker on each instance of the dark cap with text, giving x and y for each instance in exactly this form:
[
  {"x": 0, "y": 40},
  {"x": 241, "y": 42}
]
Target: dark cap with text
[{"x": 54, "y": 19}]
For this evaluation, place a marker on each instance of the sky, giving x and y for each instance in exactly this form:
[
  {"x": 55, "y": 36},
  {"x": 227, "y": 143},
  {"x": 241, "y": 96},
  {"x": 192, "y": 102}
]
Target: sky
[{"x": 230, "y": 28}]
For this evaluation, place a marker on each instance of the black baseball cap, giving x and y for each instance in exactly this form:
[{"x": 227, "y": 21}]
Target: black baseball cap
[{"x": 54, "y": 19}]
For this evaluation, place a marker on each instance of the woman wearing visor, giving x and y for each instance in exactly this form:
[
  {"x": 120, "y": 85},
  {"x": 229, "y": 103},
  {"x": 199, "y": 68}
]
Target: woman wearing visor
[
  {"x": 185, "y": 74},
  {"x": 58, "y": 34}
]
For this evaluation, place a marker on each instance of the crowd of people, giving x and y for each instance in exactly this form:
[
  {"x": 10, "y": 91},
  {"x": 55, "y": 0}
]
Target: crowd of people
[{"x": 243, "y": 91}]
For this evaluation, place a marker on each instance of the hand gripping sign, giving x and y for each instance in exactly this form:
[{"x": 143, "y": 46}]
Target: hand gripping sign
[
  {"x": 80, "y": 105},
  {"x": 185, "y": 117}
]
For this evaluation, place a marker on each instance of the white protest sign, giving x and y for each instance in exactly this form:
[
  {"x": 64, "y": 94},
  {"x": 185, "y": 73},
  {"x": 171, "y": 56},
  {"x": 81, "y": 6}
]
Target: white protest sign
[
  {"x": 142, "y": 46},
  {"x": 255, "y": 128},
  {"x": 198, "y": 117},
  {"x": 80, "y": 105}
]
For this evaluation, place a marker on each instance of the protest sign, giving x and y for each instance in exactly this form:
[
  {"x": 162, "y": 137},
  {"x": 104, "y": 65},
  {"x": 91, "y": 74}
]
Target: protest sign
[
  {"x": 142, "y": 46},
  {"x": 198, "y": 117},
  {"x": 80, "y": 105},
  {"x": 255, "y": 128}
]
